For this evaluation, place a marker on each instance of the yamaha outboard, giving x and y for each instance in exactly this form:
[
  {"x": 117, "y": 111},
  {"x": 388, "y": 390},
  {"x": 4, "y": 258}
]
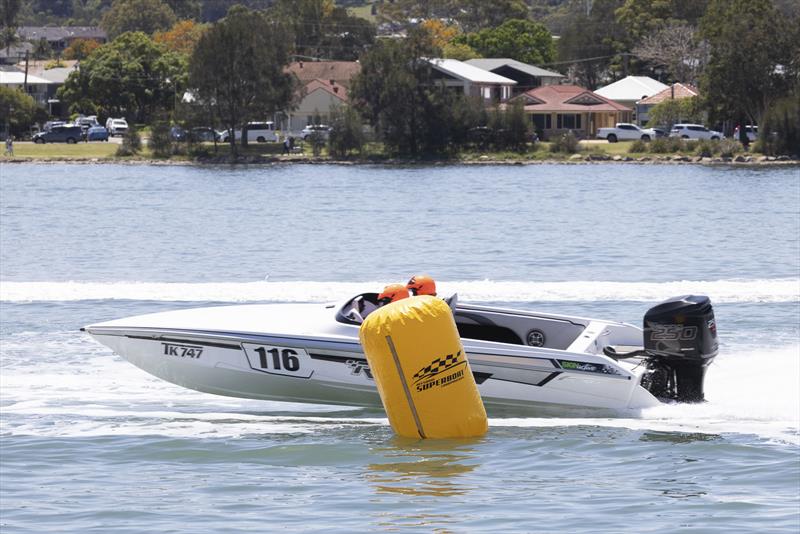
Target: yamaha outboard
[{"x": 680, "y": 340}]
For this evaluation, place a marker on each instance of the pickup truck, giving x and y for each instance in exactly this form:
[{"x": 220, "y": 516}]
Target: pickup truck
[{"x": 624, "y": 131}]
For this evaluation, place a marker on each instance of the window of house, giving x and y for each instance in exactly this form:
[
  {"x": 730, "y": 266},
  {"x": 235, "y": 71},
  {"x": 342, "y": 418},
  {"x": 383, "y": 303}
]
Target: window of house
[
  {"x": 542, "y": 121},
  {"x": 570, "y": 121}
]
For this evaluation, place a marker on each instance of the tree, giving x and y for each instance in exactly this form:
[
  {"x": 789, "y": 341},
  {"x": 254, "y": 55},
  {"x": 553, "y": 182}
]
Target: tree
[
  {"x": 18, "y": 111},
  {"x": 238, "y": 64},
  {"x": 471, "y": 15},
  {"x": 42, "y": 49},
  {"x": 780, "y": 129},
  {"x": 146, "y": 16},
  {"x": 132, "y": 76},
  {"x": 676, "y": 48},
  {"x": 400, "y": 96},
  {"x": 523, "y": 40},
  {"x": 80, "y": 49},
  {"x": 588, "y": 42},
  {"x": 324, "y": 30},
  {"x": 347, "y": 133},
  {"x": 673, "y": 111},
  {"x": 182, "y": 37},
  {"x": 9, "y": 10},
  {"x": 185, "y": 9},
  {"x": 752, "y": 50}
]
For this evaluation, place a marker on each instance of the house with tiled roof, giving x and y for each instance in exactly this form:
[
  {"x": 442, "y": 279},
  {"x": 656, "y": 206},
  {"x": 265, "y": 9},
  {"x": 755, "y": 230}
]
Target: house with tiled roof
[
  {"x": 527, "y": 76},
  {"x": 557, "y": 109},
  {"x": 630, "y": 90},
  {"x": 314, "y": 103},
  {"x": 339, "y": 72},
  {"x": 676, "y": 91}
]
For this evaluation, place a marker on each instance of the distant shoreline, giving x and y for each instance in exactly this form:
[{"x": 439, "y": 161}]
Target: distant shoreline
[{"x": 574, "y": 159}]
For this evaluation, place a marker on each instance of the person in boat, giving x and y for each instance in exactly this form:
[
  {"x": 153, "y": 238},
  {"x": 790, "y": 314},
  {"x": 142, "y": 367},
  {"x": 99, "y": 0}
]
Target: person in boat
[
  {"x": 362, "y": 307},
  {"x": 422, "y": 284},
  {"x": 393, "y": 293}
]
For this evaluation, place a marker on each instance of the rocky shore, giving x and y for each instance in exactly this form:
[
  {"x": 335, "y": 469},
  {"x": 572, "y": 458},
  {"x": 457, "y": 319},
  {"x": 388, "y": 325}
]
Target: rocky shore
[{"x": 480, "y": 160}]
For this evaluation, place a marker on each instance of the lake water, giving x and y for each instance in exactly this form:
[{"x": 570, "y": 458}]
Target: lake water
[{"x": 92, "y": 444}]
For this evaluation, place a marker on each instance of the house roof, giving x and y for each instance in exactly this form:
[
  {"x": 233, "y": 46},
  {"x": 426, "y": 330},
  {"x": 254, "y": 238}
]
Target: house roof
[
  {"x": 14, "y": 77},
  {"x": 57, "y": 33},
  {"x": 468, "y": 73},
  {"x": 631, "y": 88},
  {"x": 336, "y": 89},
  {"x": 340, "y": 71},
  {"x": 491, "y": 64},
  {"x": 14, "y": 52},
  {"x": 567, "y": 98},
  {"x": 676, "y": 90},
  {"x": 57, "y": 75}
]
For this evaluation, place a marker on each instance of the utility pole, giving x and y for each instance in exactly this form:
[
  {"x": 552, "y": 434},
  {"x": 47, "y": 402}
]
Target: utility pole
[{"x": 25, "y": 83}]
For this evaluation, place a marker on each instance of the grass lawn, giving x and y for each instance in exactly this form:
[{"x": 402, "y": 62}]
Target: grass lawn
[
  {"x": 364, "y": 12},
  {"x": 64, "y": 151}
]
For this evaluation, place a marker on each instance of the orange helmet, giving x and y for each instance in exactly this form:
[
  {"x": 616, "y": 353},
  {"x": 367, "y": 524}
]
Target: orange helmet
[
  {"x": 422, "y": 284},
  {"x": 393, "y": 293}
]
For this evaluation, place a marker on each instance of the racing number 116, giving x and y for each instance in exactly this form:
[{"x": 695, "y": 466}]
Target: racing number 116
[{"x": 281, "y": 360}]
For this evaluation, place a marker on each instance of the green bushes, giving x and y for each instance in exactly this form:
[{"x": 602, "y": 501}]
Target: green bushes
[
  {"x": 705, "y": 148},
  {"x": 566, "y": 143},
  {"x": 160, "y": 142},
  {"x": 131, "y": 143},
  {"x": 666, "y": 145},
  {"x": 780, "y": 132}
]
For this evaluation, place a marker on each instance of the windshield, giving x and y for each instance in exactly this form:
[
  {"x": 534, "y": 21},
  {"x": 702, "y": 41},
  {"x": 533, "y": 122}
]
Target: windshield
[{"x": 357, "y": 308}]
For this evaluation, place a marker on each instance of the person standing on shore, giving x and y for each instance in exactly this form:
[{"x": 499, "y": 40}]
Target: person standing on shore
[{"x": 10, "y": 145}]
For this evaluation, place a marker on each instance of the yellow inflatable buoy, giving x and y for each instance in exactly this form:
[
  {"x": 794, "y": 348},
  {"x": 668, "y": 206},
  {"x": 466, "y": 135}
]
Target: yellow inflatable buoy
[{"x": 421, "y": 370}]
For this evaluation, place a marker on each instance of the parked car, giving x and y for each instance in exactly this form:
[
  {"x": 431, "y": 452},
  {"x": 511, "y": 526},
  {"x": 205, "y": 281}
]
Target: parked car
[
  {"x": 49, "y": 125},
  {"x": 97, "y": 133},
  {"x": 660, "y": 131},
  {"x": 116, "y": 127},
  {"x": 750, "y": 131},
  {"x": 260, "y": 132},
  {"x": 177, "y": 133},
  {"x": 694, "y": 131},
  {"x": 625, "y": 131},
  {"x": 321, "y": 129},
  {"x": 59, "y": 134},
  {"x": 202, "y": 134}
]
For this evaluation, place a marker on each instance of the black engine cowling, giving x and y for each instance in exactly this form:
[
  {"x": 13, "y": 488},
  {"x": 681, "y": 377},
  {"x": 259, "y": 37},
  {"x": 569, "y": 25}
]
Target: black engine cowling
[{"x": 680, "y": 339}]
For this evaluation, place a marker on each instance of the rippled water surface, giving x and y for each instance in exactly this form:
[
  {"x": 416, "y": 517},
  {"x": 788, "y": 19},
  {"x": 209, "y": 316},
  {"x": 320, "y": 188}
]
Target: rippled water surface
[{"x": 90, "y": 443}]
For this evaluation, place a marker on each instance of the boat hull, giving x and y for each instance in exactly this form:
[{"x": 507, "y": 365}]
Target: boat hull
[{"x": 335, "y": 371}]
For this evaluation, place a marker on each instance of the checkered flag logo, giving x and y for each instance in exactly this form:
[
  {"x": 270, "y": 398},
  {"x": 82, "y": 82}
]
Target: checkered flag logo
[{"x": 437, "y": 366}]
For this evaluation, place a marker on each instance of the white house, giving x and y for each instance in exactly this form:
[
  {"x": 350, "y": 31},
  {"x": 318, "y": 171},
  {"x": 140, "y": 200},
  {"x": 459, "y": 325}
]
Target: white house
[
  {"x": 317, "y": 99},
  {"x": 472, "y": 80},
  {"x": 630, "y": 90},
  {"x": 36, "y": 87},
  {"x": 527, "y": 76}
]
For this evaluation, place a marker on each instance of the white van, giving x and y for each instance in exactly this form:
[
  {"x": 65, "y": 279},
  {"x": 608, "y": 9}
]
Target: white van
[{"x": 260, "y": 132}]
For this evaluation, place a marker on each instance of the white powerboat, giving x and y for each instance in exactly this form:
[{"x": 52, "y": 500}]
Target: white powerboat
[{"x": 521, "y": 360}]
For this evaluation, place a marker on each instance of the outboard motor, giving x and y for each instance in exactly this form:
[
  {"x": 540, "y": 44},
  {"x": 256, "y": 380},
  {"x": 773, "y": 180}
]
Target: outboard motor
[{"x": 680, "y": 340}]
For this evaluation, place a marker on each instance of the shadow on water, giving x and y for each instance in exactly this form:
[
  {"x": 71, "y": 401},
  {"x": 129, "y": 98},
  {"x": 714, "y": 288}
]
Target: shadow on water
[
  {"x": 677, "y": 437},
  {"x": 422, "y": 467}
]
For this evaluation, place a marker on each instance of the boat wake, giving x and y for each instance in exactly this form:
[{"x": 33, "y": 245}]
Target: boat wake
[{"x": 721, "y": 291}]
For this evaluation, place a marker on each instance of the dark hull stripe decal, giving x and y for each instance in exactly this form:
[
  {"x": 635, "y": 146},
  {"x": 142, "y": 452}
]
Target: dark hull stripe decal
[
  {"x": 340, "y": 359},
  {"x": 189, "y": 342},
  {"x": 548, "y": 379}
]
